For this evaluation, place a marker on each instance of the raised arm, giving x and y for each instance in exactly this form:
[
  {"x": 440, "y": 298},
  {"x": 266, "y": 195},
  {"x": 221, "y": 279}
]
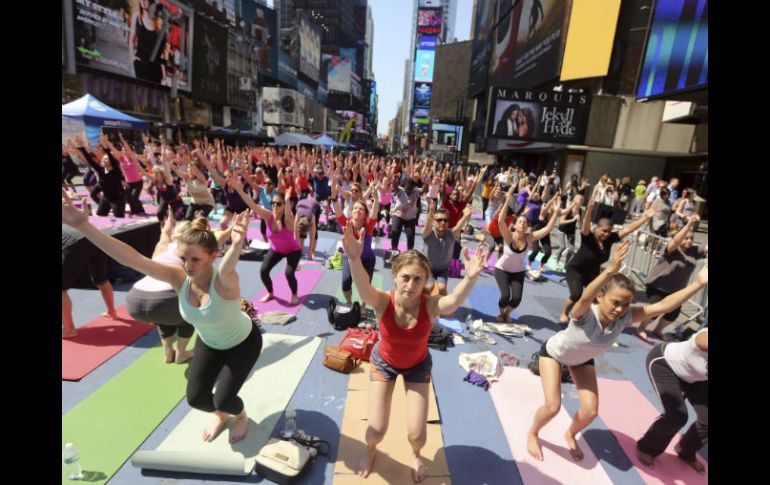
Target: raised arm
[
  {"x": 541, "y": 233},
  {"x": 429, "y": 220},
  {"x": 638, "y": 223},
  {"x": 237, "y": 186},
  {"x": 460, "y": 226},
  {"x": 120, "y": 251},
  {"x": 679, "y": 236},
  {"x": 442, "y": 305},
  {"x": 504, "y": 230},
  {"x": 584, "y": 304},
  {"x": 228, "y": 276},
  {"x": 165, "y": 233},
  {"x": 675, "y": 300},
  {"x": 585, "y": 230},
  {"x": 373, "y": 297}
]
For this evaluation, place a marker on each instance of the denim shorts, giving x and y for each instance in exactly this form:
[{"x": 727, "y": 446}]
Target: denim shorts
[{"x": 381, "y": 371}]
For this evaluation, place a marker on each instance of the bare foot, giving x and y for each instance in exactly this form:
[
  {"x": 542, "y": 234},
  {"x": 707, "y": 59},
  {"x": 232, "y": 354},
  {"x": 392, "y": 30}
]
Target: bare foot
[
  {"x": 266, "y": 298},
  {"x": 645, "y": 459},
  {"x": 210, "y": 433},
  {"x": 170, "y": 355},
  {"x": 419, "y": 470},
  {"x": 294, "y": 300},
  {"x": 240, "y": 428},
  {"x": 574, "y": 449},
  {"x": 183, "y": 356},
  {"x": 695, "y": 464},
  {"x": 563, "y": 318},
  {"x": 69, "y": 333},
  {"x": 111, "y": 314},
  {"x": 533, "y": 447},
  {"x": 365, "y": 463}
]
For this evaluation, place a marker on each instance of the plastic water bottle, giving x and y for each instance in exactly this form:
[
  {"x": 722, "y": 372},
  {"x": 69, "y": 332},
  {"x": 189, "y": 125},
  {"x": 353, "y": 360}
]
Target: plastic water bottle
[
  {"x": 468, "y": 323},
  {"x": 71, "y": 459},
  {"x": 290, "y": 424}
]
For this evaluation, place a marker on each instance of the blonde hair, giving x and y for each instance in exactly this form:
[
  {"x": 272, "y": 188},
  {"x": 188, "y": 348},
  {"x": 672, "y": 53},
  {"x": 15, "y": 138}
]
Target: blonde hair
[
  {"x": 179, "y": 229},
  {"x": 198, "y": 233},
  {"x": 411, "y": 257}
]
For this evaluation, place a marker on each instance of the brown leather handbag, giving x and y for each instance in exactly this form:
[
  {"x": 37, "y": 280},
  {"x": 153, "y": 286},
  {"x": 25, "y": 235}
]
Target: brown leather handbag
[{"x": 339, "y": 360}]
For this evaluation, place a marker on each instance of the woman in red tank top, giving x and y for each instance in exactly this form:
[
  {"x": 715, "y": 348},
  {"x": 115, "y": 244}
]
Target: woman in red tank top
[{"x": 405, "y": 316}]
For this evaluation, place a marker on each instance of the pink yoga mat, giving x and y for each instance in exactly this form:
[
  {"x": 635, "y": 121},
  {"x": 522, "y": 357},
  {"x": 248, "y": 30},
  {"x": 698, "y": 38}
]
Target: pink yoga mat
[
  {"x": 516, "y": 397},
  {"x": 492, "y": 259},
  {"x": 306, "y": 281},
  {"x": 386, "y": 245},
  {"x": 628, "y": 414},
  {"x": 97, "y": 341}
]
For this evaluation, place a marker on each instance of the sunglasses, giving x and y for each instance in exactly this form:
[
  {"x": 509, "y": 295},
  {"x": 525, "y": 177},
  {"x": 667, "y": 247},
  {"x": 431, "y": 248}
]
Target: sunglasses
[{"x": 277, "y": 202}]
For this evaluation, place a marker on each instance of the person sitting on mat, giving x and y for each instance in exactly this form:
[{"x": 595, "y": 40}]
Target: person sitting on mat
[
  {"x": 280, "y": 234},
  {"x": 439, "y": 243},
  {"x": 593, "y": 328},
  {"x": 228, "y": 343},
  {"x": 405, "y": 316},
  {"x": 594, "y": 250},
  {"x": 672, "y": 273},
  {"x": 154, "y": 301},
  {"x": 678, "y": 371},
  {"x": 360, "y": 218},
  {"x": 511, "y": 268}
]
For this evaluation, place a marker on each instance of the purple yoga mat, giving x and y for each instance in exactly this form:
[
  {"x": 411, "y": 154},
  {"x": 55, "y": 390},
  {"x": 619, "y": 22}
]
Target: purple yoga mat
[
  {"x": 386, "y": 245},
  {"x": 306, "y": 281}
]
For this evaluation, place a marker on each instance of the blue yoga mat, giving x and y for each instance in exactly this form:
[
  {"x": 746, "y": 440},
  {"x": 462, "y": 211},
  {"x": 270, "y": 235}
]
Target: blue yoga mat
[
  {"x": 483, "y": 300},
  {"x": 452, "y": 324}
]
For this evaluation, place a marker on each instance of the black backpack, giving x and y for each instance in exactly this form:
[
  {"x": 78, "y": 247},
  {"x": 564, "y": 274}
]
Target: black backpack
[{"x": 343, "y": 320}]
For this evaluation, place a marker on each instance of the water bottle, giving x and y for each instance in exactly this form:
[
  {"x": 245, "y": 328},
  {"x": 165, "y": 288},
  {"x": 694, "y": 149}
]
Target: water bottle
[
  {"x": 290, "y": 424},
  {"x": 468, "y": 323},
  {"x": 71, "y": 457}
]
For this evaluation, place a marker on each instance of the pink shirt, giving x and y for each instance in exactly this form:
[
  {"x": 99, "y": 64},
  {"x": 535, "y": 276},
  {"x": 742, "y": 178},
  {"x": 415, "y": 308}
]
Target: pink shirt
[
  {"x": 282, "y": 242},
  {"x": 130, "y": 170}
]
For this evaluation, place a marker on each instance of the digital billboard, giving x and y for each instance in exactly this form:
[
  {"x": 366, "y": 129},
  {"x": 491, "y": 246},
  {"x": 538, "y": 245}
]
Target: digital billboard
[
  {"x": 349, "y": 53},
  {"x": 338, "y": 73},
  {"x": 139, "y": 44},
  {"x": 309, "y": 34},
  {"x": 422, "y": 94},
  {"x": 539, "y": 42},
  {"x": 262, "y": 23},
  {"x": 482, "y": 45},
  {"x": 210, "y": 57},
  {"x": 543, "y": 115},
  {"x": 503, "y": 46},
  {"x": 421, "y": 112},
  {"x": 423, "y": 65},
  {"x": 676, "y": 56},
  {"x": 427, "y": 43},
  {"x": 429, "y": 21},
  {"x": 287, "y": 68}
]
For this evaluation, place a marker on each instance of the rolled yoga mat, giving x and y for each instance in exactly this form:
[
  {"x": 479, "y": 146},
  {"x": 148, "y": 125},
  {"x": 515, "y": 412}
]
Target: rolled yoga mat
[
  {"x": 516, "y": 397},
  {"x": 628, "y": 414},
  {"x": 306, "y": 281},
  {"x": 97, "y": 341},
  {"x": 392, "y": 464},
  {"x": 109, "y": 424},
  {"x": 267, "y": 391}
]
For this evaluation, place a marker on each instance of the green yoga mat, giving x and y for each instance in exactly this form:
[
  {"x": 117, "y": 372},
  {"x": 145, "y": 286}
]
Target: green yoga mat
[
  {"x": 112, "y": 422},
  {"x": 376, "y": 282},
  {"x": 277, "y": 374}
]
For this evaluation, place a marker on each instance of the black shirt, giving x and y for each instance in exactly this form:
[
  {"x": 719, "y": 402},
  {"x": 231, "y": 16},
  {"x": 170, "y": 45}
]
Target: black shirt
[
  {"x": 589, "y": 258},
  {"x": 110, "y": 182}
]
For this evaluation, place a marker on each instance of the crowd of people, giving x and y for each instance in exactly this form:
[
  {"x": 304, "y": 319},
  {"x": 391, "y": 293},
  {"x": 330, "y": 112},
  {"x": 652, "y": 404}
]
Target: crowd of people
[{"x": 293, "y": 192}]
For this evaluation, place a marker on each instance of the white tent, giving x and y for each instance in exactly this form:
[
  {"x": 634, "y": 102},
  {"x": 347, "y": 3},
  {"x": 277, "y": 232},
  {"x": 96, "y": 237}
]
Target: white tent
[{"x": 293, "y": 139}]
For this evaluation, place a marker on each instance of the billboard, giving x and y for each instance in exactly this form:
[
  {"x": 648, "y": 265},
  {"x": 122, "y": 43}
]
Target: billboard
[
  {"x": 430, "y": 3},
  {"x": 358, "y": 124},
  {"x": 287, "y": 68},
  {"x": 422, "y": 94},
  {"x": 262, "y": 24},
  {"x": 545, "y": 115},
  {"x": 350, "y": 53},
  {"x": 482, "y": 45},
  {"x": 423, "y": 66},
  {"x": 429, "y": 21},
  {"x": 372, "y": 97},
  {"x": 355, "y": 86},
  {"x": 421, "y": 112},
  {"x": 427, "y": 43},
  {"x": 138, "y": 43},
  {"x": 210, "y": 59},
  {"x": 309, "y": 35},
  {"x": 447, "y": 134},
  {"x": 282, "y": 106},
  {"x": 539, "y": 42},
  {"x": 503, "y": 47},
  {"x": 338, "y": 73},
  {"x": 676, "y": 56},
  {"x": 590, "y": 36}
]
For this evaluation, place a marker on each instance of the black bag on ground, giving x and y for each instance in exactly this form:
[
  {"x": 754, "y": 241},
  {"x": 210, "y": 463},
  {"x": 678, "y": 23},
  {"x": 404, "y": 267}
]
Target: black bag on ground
[
  {"x": 252, "y": 254},
  {"x": 534, "y": 367},
  {"x": 343, "y": 317},
  {"x": 440, "y": 338}
]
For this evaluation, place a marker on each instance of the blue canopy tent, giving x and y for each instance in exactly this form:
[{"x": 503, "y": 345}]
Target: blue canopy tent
[
  {"x": 326, "y": 141},
  {"x": 95, "y": 114},
  {"x": 293, "y": 139}
]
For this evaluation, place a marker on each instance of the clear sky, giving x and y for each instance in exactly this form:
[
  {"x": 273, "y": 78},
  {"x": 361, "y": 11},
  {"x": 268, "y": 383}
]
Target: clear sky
[{"x": 392, "y": 38}]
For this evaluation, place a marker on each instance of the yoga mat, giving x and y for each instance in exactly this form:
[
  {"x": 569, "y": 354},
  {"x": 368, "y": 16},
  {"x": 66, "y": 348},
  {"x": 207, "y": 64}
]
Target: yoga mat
[
  {"x": 376, "y": 282},
  {"x": 492, "y": 259},
  {"x": 452, "y": 324},
  {"x": 386, "y": 245},
  {"x": 114, "y": 420},
  {"x": 516, "y": 397},
  {"x": 266, "y": 392},
  {"x": 254, "y": 234},
  {"x": 392, "y": 464},
  {"x": 628, "y": 414},
  {"x": 484, "y": 299},
  {"x": 97, "y": 341},
  {"x": 306, "y": 281}
]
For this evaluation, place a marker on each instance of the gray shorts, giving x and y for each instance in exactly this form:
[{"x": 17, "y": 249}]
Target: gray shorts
[{"x": 381, "y": 371}]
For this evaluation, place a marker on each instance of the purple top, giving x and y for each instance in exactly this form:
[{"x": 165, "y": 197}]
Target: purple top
[
  {"x": 282, "y": 242},
  {"x": 534, "y": 212},
  {"x": 522, "y": 197}
]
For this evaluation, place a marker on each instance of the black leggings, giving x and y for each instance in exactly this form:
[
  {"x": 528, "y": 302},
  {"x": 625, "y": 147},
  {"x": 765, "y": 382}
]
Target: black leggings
[
  {"x": 271, "y": 259},
  {"x": 484, "y": 205},
  {"x": 544, "y": 243},
  {"x": 386, "y": 216},
  {"x": 232, "y": 366},
  {"x": 673, "y": 391},
  {"x": 395, "y": 232},
  {"x": 511, "y": 288},
  {"x": 132, "y": 197},
  {"x": 347, "y": 276},
  {"x": 193, "y": 208},
  {"x": 117, "y": 204},
  {"x": 177, "y": 208},
  {"x": 576, "y": 281}
]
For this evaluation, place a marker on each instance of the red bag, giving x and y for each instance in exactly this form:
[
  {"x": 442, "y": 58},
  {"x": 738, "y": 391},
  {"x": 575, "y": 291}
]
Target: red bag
[{"x": 359, "y": 342}]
